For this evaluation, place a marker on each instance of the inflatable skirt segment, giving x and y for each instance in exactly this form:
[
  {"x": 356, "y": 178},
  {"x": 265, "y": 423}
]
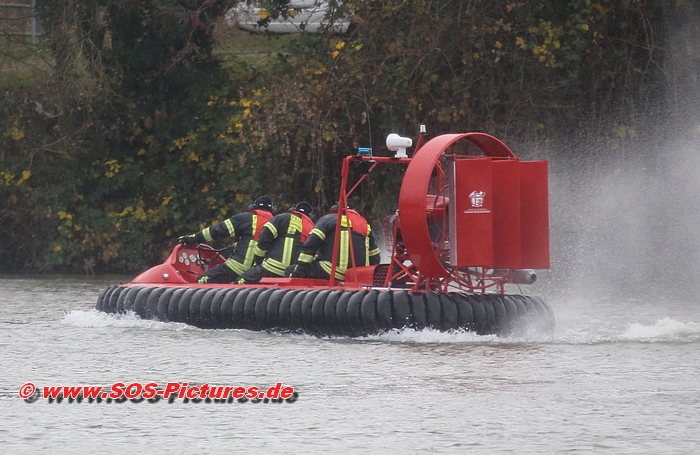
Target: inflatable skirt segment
[{"x": 332, "y": 312}]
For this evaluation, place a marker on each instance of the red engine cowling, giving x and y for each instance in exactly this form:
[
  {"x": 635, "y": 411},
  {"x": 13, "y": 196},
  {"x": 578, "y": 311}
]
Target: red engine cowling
[{"x": 461, "y": 211}]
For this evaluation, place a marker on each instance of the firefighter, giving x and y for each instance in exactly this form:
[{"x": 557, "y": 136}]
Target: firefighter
[
  {"x": 280, "y": 242},
  {"x": 245, "y": 228},
  {"x": 315, "y": 260}
]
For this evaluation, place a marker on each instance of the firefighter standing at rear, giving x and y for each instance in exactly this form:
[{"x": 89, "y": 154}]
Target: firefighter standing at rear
[
  {"x": 280, "y": 243},
  {"x": 315, "y": 260},
  {"x": 246, "y": 228}
]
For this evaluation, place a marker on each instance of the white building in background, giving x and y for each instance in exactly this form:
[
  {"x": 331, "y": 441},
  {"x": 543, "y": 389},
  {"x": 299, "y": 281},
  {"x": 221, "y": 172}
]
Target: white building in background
[{"x": 309, "y": 18}]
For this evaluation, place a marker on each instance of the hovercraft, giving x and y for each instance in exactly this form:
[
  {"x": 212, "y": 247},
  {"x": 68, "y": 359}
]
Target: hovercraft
[{"x": 472, "y": 219}]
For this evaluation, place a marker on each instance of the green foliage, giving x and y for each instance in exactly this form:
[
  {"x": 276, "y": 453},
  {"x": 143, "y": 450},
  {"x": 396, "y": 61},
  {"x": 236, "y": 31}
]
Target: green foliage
[
  {"x": 523, "y": 71},
  {"x": 100, "y": 181},
  {"x": 140, "y": 135}
]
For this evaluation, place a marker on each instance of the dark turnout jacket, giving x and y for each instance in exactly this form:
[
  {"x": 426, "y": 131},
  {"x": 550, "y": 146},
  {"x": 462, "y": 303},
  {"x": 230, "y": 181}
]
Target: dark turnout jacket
[
  {"x": 245, "y": 228},
  {"x": 319, "y": 245},
  {"x": 281, "y": 240}
]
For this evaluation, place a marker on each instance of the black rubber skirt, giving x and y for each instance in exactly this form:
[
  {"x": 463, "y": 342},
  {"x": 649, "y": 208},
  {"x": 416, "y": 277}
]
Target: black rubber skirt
[{"x": 332, "y": 312}]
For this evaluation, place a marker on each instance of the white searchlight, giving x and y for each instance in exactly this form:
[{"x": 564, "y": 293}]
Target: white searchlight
[{"x": 398, "y": 144}]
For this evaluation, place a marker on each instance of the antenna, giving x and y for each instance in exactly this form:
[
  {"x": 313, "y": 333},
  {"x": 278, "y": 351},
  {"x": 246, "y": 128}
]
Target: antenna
[{"x": 364, "y": 97}]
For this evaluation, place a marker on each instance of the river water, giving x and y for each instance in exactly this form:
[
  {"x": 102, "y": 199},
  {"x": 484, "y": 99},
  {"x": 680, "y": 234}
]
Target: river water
[{"x": 618, "y": 376}]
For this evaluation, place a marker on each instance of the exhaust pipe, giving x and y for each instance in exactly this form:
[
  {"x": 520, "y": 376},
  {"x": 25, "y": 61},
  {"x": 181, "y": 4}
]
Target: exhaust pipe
[{"x": 519, "y": 276}]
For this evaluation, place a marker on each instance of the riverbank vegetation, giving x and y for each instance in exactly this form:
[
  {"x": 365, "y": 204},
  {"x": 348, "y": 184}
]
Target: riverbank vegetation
[{"x": 131, "y": 123}]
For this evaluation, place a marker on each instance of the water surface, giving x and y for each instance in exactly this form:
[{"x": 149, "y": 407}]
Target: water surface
[{"x": 618, "y": 376}]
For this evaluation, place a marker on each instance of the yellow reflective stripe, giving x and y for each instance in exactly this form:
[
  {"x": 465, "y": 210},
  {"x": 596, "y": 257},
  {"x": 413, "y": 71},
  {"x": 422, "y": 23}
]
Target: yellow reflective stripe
[
  {"x": 240, "y": 267},
  {"x": 255, "y": 224},
  {"x": 207, "y": 235},
  {"x": 375, "y": 252},
  {"x": 339, "y": 274},
  {"x": 366, "y": 251},
  {"x": 288, "y": 248},
  {"x": 230, "y": 228},
  {"x": 250, "y": 254},
  {"x": 295, "y": 225},
  {"x": 272, "y": 228},
  {"x": 345, "y": 221},
  {"x": 325, "y": 265},
  {"x": 273, "y": 266},
  {"x": 344, "y": 256},
  {"x": 318, "y": 233},
  {"x": 236, "y": 266},
  {"x": 307, "y": 258}
]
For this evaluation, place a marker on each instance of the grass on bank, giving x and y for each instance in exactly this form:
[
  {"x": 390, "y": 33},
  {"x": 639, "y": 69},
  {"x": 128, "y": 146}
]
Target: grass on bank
[
  {"x": 22, "y": 64},
  {"x": 27, "y": 65}
]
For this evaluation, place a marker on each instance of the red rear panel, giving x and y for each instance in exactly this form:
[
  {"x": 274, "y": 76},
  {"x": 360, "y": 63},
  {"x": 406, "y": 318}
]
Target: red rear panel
[
  {"x": 534, "y": 222},
  {"x": 471, "y": 213},
  {"x": 506, "y": 214}
]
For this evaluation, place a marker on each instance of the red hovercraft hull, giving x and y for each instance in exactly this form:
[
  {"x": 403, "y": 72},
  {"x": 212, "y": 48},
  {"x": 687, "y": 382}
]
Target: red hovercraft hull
[{"x": 452, "y": 281}]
